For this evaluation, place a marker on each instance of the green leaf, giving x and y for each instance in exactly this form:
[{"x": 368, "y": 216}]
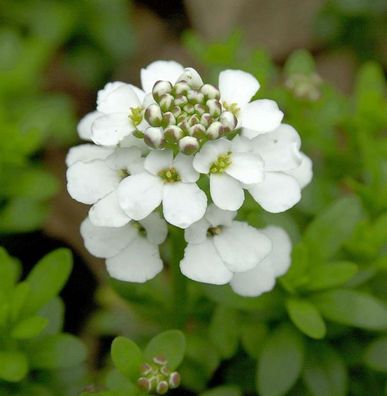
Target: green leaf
[
  {"x": 324, "y": 373},
  {"x": 306, "y": 317},
  {"x": 226, "y": 390},
  {"x": 352, "y": 308},
  {"x": 375, "y": 355},
  {"x": 252, "y": 337},
  {"x": 280, "y": 362},
  {"x": 47, "y": 278},
  {"x": 300, "y": 62},
  {"x": 57, "y": 351},
  {"x": 9, "y": 271},
  {"x": 127, "y": 357},
  {"x": 169, "y": 344},
  {"x": 53, "y": 311},
  {"x": 13, "y": 366},
  {"x": 29, "y": 328},
  {"x": 19, "y": 298},
  {"x": 329, "y": 275},
  {"x": 224, "y": 331},
  {"x": 325, "y": 234}
]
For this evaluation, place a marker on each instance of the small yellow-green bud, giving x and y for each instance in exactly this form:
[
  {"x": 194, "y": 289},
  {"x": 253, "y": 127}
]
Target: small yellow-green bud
[
  {"x": 174, "y": 380},
  {"x": 162, "y": 387}
]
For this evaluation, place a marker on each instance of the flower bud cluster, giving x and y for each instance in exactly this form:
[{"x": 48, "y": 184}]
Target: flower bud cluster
[
  {"x": 186, "y": 115},
  {"x": 157, "y": 377}
]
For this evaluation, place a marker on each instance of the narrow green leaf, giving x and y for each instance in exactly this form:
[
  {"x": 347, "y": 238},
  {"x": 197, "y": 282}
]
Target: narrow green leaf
[
  {"x": 325, "y": 234},
  {"x": 280, "y": 363},
  {"x": 375, "y": 355},
  {"x": 329, "y": 275},
  {"x": 324, "y": 373},
  {"x": 352, "y": 308},
  {"x": 306, "y": 317},
  {"x": 226, "y": 390},
  {"x": 252, "y": 337},
  {"x": 53, "y": 311},
  {"x": 9, "y": 271},
  {"x": 48, "y": 278},
  {"x": 127, "y": 357},
  {"x": 224, "y": 332},
  {"x": 170, "y": 344},
  {"x": 29, "y": 328},
  {"x": 13, "y": 366},
  {"x": 19, "y": 299},
  {"x": 57, "y": 351}
]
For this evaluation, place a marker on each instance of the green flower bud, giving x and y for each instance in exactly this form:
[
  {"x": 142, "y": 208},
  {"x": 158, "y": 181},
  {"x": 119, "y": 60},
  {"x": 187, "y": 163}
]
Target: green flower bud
[
  {"x": 188, "y": 145},
  {"x": 188, "y": 108},
  {"x": 161, "y": 88},
  {"x": 195, "y": 97},
  {"x": 174, "y": 380},
  {"x": 214, "y": 107},
  {"x": 144, "y": 384},
  {"x": 181, "y": 100},
  {"x": 153, "y": 115},
  {"x": 181, "y": 88},
  {"x": 166, "y": 102},
  {"x": 162, "y": 387},
  {"x": 206, "y": 119},
  {"x": 168, "y": 119},
  {"x": 210, "y": 92},
  {"x": 173, "y": 133},
  {"x": 200, "y": 109},
  {"x": 197, "y": 130}
]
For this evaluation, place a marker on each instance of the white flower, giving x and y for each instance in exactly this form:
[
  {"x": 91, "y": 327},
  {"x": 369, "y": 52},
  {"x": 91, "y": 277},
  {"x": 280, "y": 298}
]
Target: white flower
[
  {"x": 94, "y": 175},
  {"x": 131, "y": 251},
  {"x": 286, "y": 169},
  {"x": 219, "y": 246},
  {"x": 230, "y": 166},
  {"x": 261, "y": 278},
  {"x": 166, "y": 180},
  {"x": 118, "y": 106}
]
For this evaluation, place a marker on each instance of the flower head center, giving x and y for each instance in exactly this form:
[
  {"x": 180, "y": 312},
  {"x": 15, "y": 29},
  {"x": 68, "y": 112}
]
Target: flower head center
[
  {"x": 169, "y": 175},
  {"x": 123, "y": 173},
  {"x": 139, "y": 227},
  {"x": 136, "y": 115},
  {"x": 221, "y": 163},
  {"x": 212, "y": 231}
]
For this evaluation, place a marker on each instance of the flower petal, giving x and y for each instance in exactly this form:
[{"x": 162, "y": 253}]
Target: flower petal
[
  {"x": 109, "y": 130},
  {"x": 118, "y": 100},
  {"x": 197, "y": 232},
  {"x": 156, "y": 228},
  {"x": 237, "y": 86},
  {"x": 87, "y": 153},
  {"x": 209, "y": 153},
  {"x": 87, "y": 182},
  {"x": 140, "y": 194},
  {"x": 304, "y": 172},
  {"x": 226, "y": 192},
  {"x": 125, "y": 159},
  {"x": 279, "y": 149},
  {"x": 105, "y": 241},
  {"x": 158, "y": 160},
  {"x": 183, "y": 204},
  {"x": 160, "y": 70},
  {"x": 241, "y": 246},
  {"x": 246, "y": 167},
  {"x": 254, "y": 282},
  {"x": 108, "y": 213},
  {"x": 202, "y": 263},
  {"x": 84, "y": 126},
  {"x": 139, "y": 92},
  {"x": 280, "y": 255},
  {"x": 183, "y": 164},
  {"x": 277, "y": 193},
  {"x": 261, "y": 116},
  {"x": 138, "y": 262},
  {"x": 218, "y": 216}
]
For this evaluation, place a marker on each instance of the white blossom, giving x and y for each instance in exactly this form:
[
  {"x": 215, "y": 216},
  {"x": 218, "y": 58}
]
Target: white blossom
[
  {"x": 261, "y": 278},
  {"x": 218, "y": 247},
  {"x": 167, "y": 180},
  {"x": 131, "y": 251},
  {"x": 94, "y": 175}
]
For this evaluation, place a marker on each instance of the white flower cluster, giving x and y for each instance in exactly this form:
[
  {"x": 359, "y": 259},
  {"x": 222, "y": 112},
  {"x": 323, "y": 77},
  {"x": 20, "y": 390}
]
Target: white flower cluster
[{"x": 153, "y": 146}]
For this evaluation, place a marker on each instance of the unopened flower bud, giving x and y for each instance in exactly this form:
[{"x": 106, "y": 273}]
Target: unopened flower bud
[
  {"x": 160, "y": 360},
  {"x": 145, "y": 384},
  {"x": 199, "y": 108},
  {"x": 166, "y": 102},
  {"x": 206, "y": 119},
  {"x": 197, "y": 130},
  {"x": 214, "y": 107},
  {"x": 192, "y": 77},
  {"x": 162, "y": 387},
  {"x": 153, "y": 115},
  {"x": 168, "y": 119},
  {"x": 176, "y": 111},
  {"x": 173, "y": 133},
  {"x": 214, "y": 130},
  {"x": 154, "y": 137},
  {"x": 188, "y": 108},
  {"x": 174, "y": 380},
  {"x": 161, "y": 88},
  {"x": 181, "y": 100},
  {"x": 228, "y": 120},
  {"x": 210, "y": 91},
  {"x": 181, "y": 88},
  {"x": 195, "y": 97},
  {"x": 188, "y": 145},
  {"x": 145, "y": 369},
  {"x": 194, "y": 119}
]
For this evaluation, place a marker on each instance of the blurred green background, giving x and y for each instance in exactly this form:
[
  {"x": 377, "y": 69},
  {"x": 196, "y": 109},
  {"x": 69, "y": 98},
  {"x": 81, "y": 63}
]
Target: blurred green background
[{"x": 324, "y": 62}]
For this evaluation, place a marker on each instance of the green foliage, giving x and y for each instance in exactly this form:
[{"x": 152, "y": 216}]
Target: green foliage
[
  {"x": 32, "y": 345},
  {"x": 127, "y": 357}
]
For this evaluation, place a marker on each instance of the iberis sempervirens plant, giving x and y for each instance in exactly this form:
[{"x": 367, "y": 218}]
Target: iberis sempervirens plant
[{"x": 183, "y": 152}]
